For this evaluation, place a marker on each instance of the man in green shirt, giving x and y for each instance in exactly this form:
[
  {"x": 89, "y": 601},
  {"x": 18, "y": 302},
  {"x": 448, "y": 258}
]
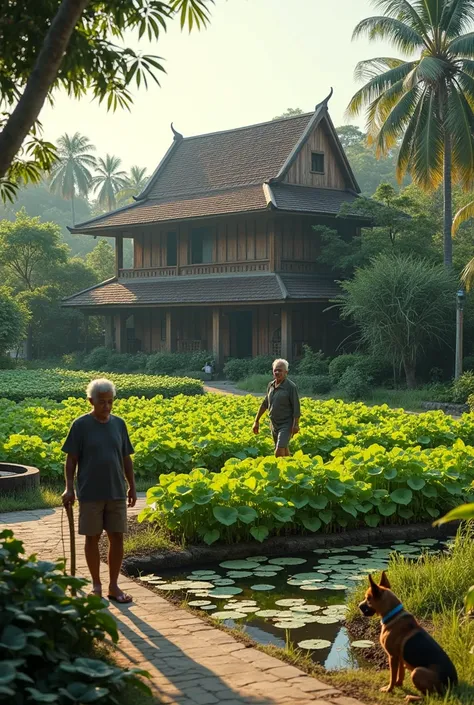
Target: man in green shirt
[
  {"x": 283, "y": 405},
  {"x": 99, "y": 447}
]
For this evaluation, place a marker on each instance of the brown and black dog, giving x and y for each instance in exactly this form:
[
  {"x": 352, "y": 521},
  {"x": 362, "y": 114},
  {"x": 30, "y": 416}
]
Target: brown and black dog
[{"x": 407, "y": 644}]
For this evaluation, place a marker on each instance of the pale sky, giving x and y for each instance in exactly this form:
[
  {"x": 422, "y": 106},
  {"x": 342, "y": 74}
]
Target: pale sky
[{"x": 256, "y": 59}]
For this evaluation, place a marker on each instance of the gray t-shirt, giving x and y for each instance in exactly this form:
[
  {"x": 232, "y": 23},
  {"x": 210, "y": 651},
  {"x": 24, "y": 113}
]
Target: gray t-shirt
[
  {"x": 282, "y": 402},
  {"x": 100, "y": 448}
]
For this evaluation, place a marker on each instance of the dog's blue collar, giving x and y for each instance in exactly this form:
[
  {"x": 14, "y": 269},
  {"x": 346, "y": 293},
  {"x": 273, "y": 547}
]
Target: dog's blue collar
[{"x": 393, "y": 613}]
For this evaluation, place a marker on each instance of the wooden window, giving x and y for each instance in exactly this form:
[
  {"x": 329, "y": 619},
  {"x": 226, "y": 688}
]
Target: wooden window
[
  {"x": 317, "y": 162},
  {"x": 171, "y": 250},
  {"x": 202, "y": 244}
]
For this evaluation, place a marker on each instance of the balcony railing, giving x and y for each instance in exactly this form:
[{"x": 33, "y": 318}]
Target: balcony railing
[
  {"x": 261, "y": 265},
  {"x": 299, "y": 267}
]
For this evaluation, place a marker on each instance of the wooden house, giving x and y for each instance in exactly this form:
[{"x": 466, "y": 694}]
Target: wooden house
[{"x": 225, "y": 254}]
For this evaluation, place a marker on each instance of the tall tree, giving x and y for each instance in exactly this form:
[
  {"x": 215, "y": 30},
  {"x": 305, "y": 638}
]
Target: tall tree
[
  {"x": 81, "y": 46},
  {"x": 427, "y": 101},
  {"x": 108, "y": 181},
  {"x": 289, "y": 112},
  {"x": 102, "y": 260},
  {"x": 135, "y": 182},
  {"x": 71, "y": 174}
]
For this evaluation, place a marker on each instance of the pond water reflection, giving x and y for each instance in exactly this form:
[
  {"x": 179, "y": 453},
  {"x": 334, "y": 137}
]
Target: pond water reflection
[{"x": 300, "y": 598}]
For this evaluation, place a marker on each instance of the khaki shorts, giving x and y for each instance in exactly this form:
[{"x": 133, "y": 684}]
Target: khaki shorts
[
  {"x": 96, "y": 517},
  {"x": 282, "y": 435}
]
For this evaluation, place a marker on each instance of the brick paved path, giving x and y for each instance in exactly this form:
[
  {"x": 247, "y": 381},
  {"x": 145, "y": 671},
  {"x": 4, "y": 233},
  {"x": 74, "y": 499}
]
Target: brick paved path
[{"x": 191, "y": 662}]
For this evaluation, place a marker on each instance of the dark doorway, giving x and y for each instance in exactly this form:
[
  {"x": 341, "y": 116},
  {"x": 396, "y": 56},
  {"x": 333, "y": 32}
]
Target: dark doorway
[{"x": 240, "y": 328}]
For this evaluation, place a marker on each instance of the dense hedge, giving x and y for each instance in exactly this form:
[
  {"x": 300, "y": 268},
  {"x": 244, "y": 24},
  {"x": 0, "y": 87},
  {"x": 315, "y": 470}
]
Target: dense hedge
[{"x": 61, "y": 384}]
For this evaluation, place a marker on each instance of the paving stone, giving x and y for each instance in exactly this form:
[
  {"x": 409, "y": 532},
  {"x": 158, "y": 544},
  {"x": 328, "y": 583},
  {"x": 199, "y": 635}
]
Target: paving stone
[
  {"x": 285, "y": 672},
  {"x": 344, "y": 700},
  {"x": 309, "y": 684}
]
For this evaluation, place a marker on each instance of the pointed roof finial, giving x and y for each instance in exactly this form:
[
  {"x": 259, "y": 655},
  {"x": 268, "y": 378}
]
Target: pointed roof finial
[
  {"x": 326, "y": 100},
  {"x": 177, "y": 135}
]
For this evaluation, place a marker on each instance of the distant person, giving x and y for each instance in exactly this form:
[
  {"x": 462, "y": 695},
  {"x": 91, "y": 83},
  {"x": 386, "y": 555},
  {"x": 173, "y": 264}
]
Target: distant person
[
  {"x": 283, "y": 405},
  {"x": 98, "y": 446}
]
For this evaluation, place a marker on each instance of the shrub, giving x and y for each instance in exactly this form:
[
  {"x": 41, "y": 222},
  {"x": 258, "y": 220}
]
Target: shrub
[
  {"x": 463, "y": 388},
  {"x": 340, "y": 364},
  {"x": 468, "y": 363},
  {"x": 321, "y": 384},
  {"x": 236, "y": 369},
  {"x": 97, "y": 359},
  {"x": 353, "y": 384},
  {"x": 7, "y": 362},
  {"x": 73, "y": 361},
  {"x": 313, "y": 363},
  {"x": 47, "y": 635},
  {"x": 375, "y": 368},
  {"x": 304, "y": 384},
  {"x": 261, "y": 365}
]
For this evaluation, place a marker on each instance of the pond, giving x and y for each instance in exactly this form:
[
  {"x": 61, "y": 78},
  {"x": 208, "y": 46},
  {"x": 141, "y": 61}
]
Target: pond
[{"x": 299, "y": 599}]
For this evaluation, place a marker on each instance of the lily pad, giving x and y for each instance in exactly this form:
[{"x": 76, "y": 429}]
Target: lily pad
[
  {"x": 266, "y": 613},
  {"x": 326, "y": 619},
  {"x": 209, "y": 607},
  {"x": 262, "y": 587},
  {"x": 239, "y": 574},
  {"x": 305, "y": 608},
  {"x": 310, "y": 577},
  {"x": 199, "y": 603},
  {"x": 258, "y": 559},
  {"x": 426, "y": 542},
  {"x": 240, "y": 565},
  {"x": 265, "y": 574},
  {"x": 287, "y": 561},
  {"x": 363, "y": 644},
  {"x": 329, "y": 561},
  {"x": 222, "y": 582},
  {"x": 229, "y": 614},
  {"x": 312, "y": 586},
  {"x": 197, "y": 573},
  {"x": 315, "y": 644},
  {"x": 289, "y": 624},
  {"x": 267, "y": 568},
  {"x": 336, "y": 586},
  {"x": 290, "y": 603},
  {"x": 223, "y": 592}
]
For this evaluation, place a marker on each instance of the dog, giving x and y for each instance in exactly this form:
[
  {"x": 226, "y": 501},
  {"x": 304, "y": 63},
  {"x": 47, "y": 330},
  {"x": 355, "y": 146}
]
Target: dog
[{"x": 407, "y": 644}]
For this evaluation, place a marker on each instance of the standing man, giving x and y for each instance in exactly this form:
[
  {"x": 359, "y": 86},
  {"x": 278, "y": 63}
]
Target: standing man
[
  {"x": 99, "y": 448},
  {"x": 283, "y": 405}
]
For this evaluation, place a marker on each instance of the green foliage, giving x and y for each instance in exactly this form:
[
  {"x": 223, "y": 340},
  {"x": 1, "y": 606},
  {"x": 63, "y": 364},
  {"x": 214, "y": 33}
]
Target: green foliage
[
  {"x": 108, "y": 181},
  {"x": 354, "y": 384},
  {"x": 61, "y": 384},
  {"x": 46, "y": 635},
  {"x": 321, "y": 384},
  {"x": 13, "y": 321},
  {"x": 289, "y": 112},
  {"x": 313, "y": 363},
  {"x": 400, "y": 304},
  {"x": 102, "y": 260},
  {"x": 356, "y": 487},
  {"x": 236, "y": 369},
  {"x": 71, "y": 174},
  {"x": 340, "y": 364},
  {"x": 98, "y": 61},
  {"x": 261, "y": 365},
  {"x": 97, "y": 359},
  {"x": 463, "y": 388},
  {"x": 169, "y": 363}
]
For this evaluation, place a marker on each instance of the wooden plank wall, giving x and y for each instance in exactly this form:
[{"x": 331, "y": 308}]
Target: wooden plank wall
[
  {"x": 295, "y": 240},
  {"x": 236, "y": 239},
  {"x": 300, "y": 171}
]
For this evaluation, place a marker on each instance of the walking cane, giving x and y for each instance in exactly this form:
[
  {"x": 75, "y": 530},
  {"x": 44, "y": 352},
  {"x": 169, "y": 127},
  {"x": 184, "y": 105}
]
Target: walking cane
[{"x": 72, "y": 540}]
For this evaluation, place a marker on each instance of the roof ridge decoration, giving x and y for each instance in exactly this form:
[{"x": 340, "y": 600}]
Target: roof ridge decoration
[{"x": 177, "y": 135}]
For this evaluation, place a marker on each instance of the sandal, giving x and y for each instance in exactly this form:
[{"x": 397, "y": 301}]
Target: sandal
[{"x": 122, "y": 599}]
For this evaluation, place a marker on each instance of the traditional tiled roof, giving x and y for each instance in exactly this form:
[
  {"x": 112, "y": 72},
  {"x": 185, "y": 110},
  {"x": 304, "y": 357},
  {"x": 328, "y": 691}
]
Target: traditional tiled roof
[
  {"x": 310, "y": 200},
  {"x": 246, "y": 155},
  {"x": 208, "y": 289},
  {"x": 238, "y": 200},
  {"x": 227, "y": 172}
]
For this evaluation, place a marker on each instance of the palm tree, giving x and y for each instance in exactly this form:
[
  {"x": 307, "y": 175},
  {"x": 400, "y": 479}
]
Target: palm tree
[
  {"x": 426, "y": 101},
  {"x": 71, "y": 174},
  {"x": 136, "y": 181},
  {"x": 109, "y": 180}
]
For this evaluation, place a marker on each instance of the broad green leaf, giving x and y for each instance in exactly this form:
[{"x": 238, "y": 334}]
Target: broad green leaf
[
  {"x": 247, "y": 514},
  {"x": 429, "y": 491},
  {"x": 284, "y": 514},
  {"x": 402, "y": 496},
  {"x": 13, "y": 638},
  {"x": 416, "y": 483},
  {"x": 405, "y": 512},
  {"x": 318, "y": 502},
  {"x": 259, "y": 533},
  {"x": 372, "y": 520},
  {"x": 390, "y": 473},
  {"x": 326, "y": 515},
  {"x": 211, "y": 536},
  {"x": 387, "y": 509},
  {"x": 311, "y": 523},
  {"x": 225, "y": 515}
]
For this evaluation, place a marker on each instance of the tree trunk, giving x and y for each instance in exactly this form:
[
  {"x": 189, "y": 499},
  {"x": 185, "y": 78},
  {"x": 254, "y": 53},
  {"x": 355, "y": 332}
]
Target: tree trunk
[
  {"x": 29, "y": 342},
  {"x": 410, "y": 374},
  {"x": 448, "y": 202},
  {"x": 40, "y": 81},
  {"x": 73, "y": 209}
]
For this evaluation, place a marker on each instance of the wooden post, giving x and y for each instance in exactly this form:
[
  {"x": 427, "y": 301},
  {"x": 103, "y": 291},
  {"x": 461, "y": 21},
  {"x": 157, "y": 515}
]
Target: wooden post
[
  {"x": 286, "y": 334},
  {"x": 121, "y": 332},
  {"x": 118, "y": 254},
  {"x": 216, "y": 337},
  {"x": 109, "y": 331},
  {"x": 170, "y": 343}
]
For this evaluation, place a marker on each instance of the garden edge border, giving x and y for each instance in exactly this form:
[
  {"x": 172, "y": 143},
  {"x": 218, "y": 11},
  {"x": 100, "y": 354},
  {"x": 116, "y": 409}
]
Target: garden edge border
[
  {"x": 27, "y": 477},
  {"x": 278, "y": 545}
]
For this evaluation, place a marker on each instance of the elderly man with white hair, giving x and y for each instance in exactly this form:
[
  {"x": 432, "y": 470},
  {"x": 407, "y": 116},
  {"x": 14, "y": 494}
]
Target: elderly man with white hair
[
  {"x": 99, "y": 447},
  {"x": 283, "y": 405}
]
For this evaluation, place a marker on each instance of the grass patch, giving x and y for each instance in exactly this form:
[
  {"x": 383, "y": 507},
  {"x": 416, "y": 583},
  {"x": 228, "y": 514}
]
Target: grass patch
[
  {"x": 143, "y": 539},
  {"x": 48, "y": 496}
]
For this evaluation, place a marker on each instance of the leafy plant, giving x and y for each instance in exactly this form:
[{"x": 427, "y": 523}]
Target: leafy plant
[
  {"x": 313, "y": 363},
  {"x": 236, "y": 369},
  {"x": 46, "y": 635},
  {"x": 463, "y": 387},
  {"x": 465, "y": 512},
  {"x": 354, "y": 384},
  {"x": 321, "y": 384}
]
